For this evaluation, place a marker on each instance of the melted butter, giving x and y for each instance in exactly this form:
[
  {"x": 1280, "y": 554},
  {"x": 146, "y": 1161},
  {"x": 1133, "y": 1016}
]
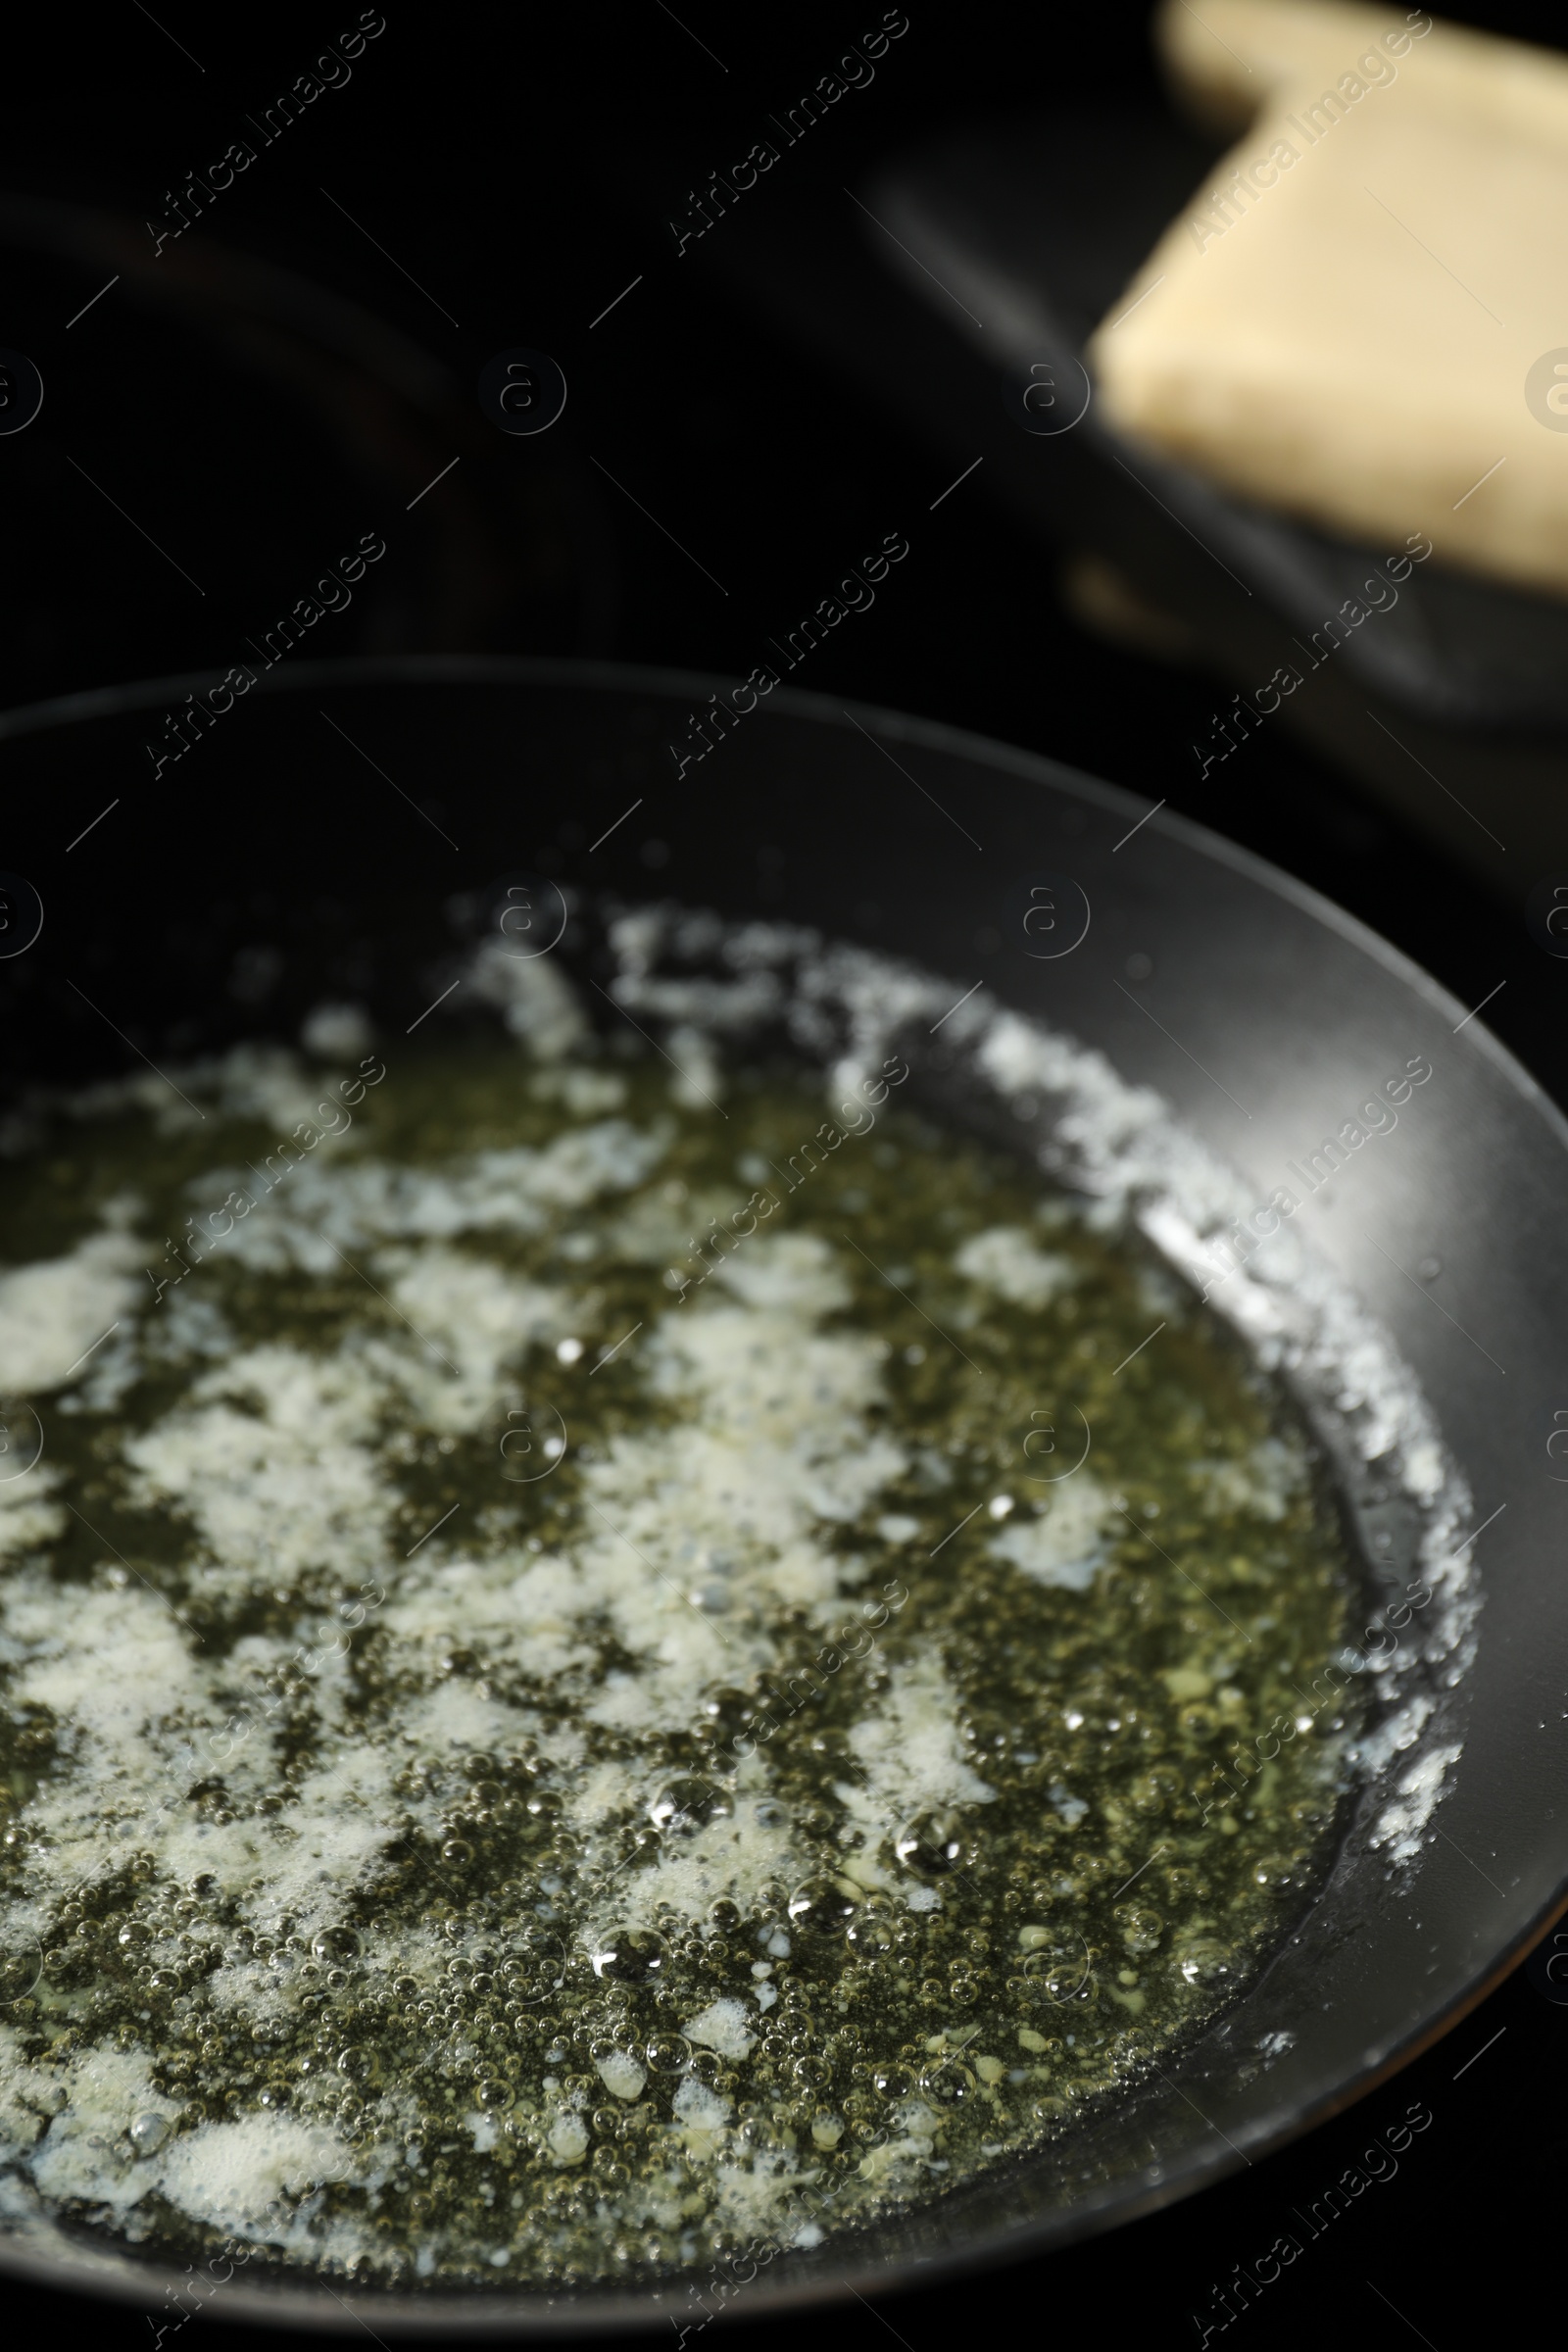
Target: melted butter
[{"x": 597, "y": 1690}]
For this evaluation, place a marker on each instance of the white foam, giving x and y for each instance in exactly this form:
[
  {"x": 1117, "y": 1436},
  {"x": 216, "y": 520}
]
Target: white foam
[
  {"x": 909, "y": 1752},
  {"x": 52, "y": 1313},
  {"x": 1004, "y": 1259},
  {"x": 27, "y": 1518},
  {"x": 1069, "y": 1542},
  {"x": 232, "y": 2175},
  {"x": 723, "y": 2027},
  {"x": 622, "y": 2075}
]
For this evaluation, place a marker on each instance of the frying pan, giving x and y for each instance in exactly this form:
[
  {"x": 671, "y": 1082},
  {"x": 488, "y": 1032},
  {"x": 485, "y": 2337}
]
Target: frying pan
[{"x": 324, "y": 837}]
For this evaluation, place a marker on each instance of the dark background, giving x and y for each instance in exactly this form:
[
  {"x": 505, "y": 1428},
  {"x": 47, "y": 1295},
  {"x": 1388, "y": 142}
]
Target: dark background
[{"x": 232, "y": 416}]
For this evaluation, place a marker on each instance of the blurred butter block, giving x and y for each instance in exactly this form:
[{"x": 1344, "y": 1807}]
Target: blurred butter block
[{"x": 1362, "y": 318}]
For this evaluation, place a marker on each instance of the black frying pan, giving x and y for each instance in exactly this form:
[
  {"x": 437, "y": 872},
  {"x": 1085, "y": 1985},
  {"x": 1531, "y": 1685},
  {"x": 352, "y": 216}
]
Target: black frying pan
[{"x": 276, "y": 863}]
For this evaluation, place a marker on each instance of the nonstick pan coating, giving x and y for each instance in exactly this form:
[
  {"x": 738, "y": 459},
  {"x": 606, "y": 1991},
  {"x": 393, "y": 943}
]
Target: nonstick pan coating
[{"x": 310, "y": 845}]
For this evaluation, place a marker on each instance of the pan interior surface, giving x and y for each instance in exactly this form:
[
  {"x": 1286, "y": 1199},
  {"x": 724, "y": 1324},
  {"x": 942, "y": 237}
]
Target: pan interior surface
[{"x": 1330, "y": 1024}]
